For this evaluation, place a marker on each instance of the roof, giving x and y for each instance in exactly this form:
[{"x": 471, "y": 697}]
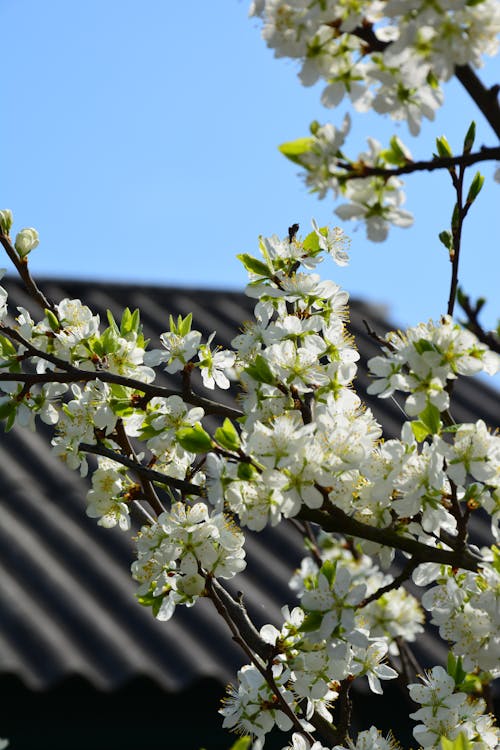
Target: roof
[{"x": 66, "y": 596}]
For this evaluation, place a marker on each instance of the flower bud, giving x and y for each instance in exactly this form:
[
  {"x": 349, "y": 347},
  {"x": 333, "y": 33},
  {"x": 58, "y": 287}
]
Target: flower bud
[
  {"x": 26, "y": 241},
  {"x": 6, "y": 220}
]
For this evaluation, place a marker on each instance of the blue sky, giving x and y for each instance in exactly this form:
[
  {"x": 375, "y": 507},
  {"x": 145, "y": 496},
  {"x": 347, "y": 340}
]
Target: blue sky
[{"x": 141, "y": 141}]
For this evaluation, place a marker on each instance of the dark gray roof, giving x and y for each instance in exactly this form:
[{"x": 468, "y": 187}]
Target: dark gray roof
[{"x": 67, "y": 604}]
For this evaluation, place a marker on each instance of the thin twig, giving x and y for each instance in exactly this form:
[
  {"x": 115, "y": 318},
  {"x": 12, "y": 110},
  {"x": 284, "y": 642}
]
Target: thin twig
[
  {"x": 394, "y": 584},
  {"x": 121, "y": 437},
  {"x": 363, "y": 171},
  {"x": 21, "y": 265},
  {"x": 334, "y": 519},
  {"x": 154, "y": 476},
  {"x": 75, "y": 374}
]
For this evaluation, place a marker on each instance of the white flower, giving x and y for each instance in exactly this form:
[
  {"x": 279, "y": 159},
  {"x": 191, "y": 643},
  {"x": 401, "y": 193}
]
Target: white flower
[
  {"x": 214, "y": 365},
  {"x": 26, "y": 241}
]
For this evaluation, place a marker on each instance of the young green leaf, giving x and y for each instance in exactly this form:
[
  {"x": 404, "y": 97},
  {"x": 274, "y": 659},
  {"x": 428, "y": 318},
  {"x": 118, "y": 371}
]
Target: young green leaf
[
  {"x": 469, "y": 138},
  {"x": 431, "y": 418},
  {"x": 194, "y": 439},
  {"x": 475, "y": 187},
  {"x": 293, "y": 150},
  {"x": 227, "y": 436},
  {"x": 254, "y": 265},
  {"x": 443, "y": 147},
  {"x": 419, "y": 430},
  {"x": 260, "y": 371}
]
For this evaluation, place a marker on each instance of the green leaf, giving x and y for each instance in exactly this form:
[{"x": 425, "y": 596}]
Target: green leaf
[
  {"x": 475, "y": 187},
  {"x": 260, "y": 371},
  {"x": 311, "y": 242},
  {"x": 312, "y": 621},
  {"x": 185, "y": 324},
  {"x": 126, "y": 322},
  {"x": 242, "y": 743},
  {"x": 455, "y": 669},
  {"x": 112, "y": 322},
  {"x": 419, "y": 430},
  {"x": 7, "y": 348},
  {"x": 446, "y": 238},
  {"x": 254, "y": 265},
  {"x": 293, "y": 150},
  {"x": 245, "y": 471},
  {"x": 329, "y": 570},
  {"x": 7, "y": 409},
  {"x": 227, "y": 436},
  {"x": 52, "y": 320},
  {"x": 469, "y": 138},
  {"x": 443, "y": 147},
  {"x": 194, "y": 439},
  {"x": 431, "y": 418},
  {"x": 423, "y": 345}
]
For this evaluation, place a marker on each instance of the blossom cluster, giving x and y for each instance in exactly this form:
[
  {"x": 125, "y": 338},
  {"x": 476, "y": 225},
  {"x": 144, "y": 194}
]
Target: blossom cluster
[
  {"x": 176, "y": 553},
  {"x": 390, "y": 57},
  {"x": 386, "y": 55},
  {"x": 303, "y": 447}
]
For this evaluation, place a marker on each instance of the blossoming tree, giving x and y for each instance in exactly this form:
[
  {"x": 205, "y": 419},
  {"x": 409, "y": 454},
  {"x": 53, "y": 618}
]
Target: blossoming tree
[{"x": 300, "y": 446}]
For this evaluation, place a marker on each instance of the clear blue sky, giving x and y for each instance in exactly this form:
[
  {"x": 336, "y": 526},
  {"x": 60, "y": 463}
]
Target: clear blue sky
[{"x": 140, "y": 139}]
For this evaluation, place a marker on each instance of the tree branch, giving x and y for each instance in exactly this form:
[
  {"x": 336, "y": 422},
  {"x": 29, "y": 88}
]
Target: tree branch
[
  {"x": 429, "y": 165},
  {"x": 485, "y": 99},
  {"x": 21, "y": 266},
  {"x": 150, "y": 474},
  {"x": 335, "y": 520},
  {"x": 74, "y": 374}
]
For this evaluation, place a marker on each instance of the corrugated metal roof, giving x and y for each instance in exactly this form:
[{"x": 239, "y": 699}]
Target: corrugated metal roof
[{"x": 66, "y": 597}]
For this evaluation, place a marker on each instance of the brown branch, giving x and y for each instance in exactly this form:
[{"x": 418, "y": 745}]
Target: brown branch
[
  {"x": 75, "y": 374},
  {"x": 21, "y": 266},
  {"x": 429, "y": 165},
  {"x": 485, "y": 99},
  {"x": 473, "y": 324},
  {"x": 343, "y": 712},
  {"x": 121, "y": 438},
  {"x": 154, "y": 476},
  {"x": 335, "y": 520},
  {"x": 394, "y": 584}
]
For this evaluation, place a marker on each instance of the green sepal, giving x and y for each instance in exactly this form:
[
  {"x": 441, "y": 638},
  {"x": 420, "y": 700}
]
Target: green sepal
[
  {"x": 293, "y": 150},
  {"x": 52, "y": 320},
  {"x": 245, "y": 471},
  {"x": 329, "y": 570},
  {"x": 470, "y": 137},
  {"x": 260, "y": 371},
  {"x": 122, "y": 407},
  {"x": 443, "y": 147},
  {"x": 459, "y": 743},
  {"x": 312, "y": 621},
  {"x": 311, "y": 242},
  {"x": 475, "y": 187},
  {"x": 149, "y": 600},
  {"x": 446, "y": 239},
  {"x": 194, "y": 439},
  {"x": 254, "y": 265},
  {"x": 112, "y": 322},
  {"x": 455, "y": 669},
  {"x": 423, "y": 345},
  {"x": 431, "y": 418},
  {"x": 419, "y": 430},
  {"x": 242, "y": 743},
  {"x": 227, "y": 436},
  {"x": 396, "y": 154},
  {"x": 8, "y": 412}
]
